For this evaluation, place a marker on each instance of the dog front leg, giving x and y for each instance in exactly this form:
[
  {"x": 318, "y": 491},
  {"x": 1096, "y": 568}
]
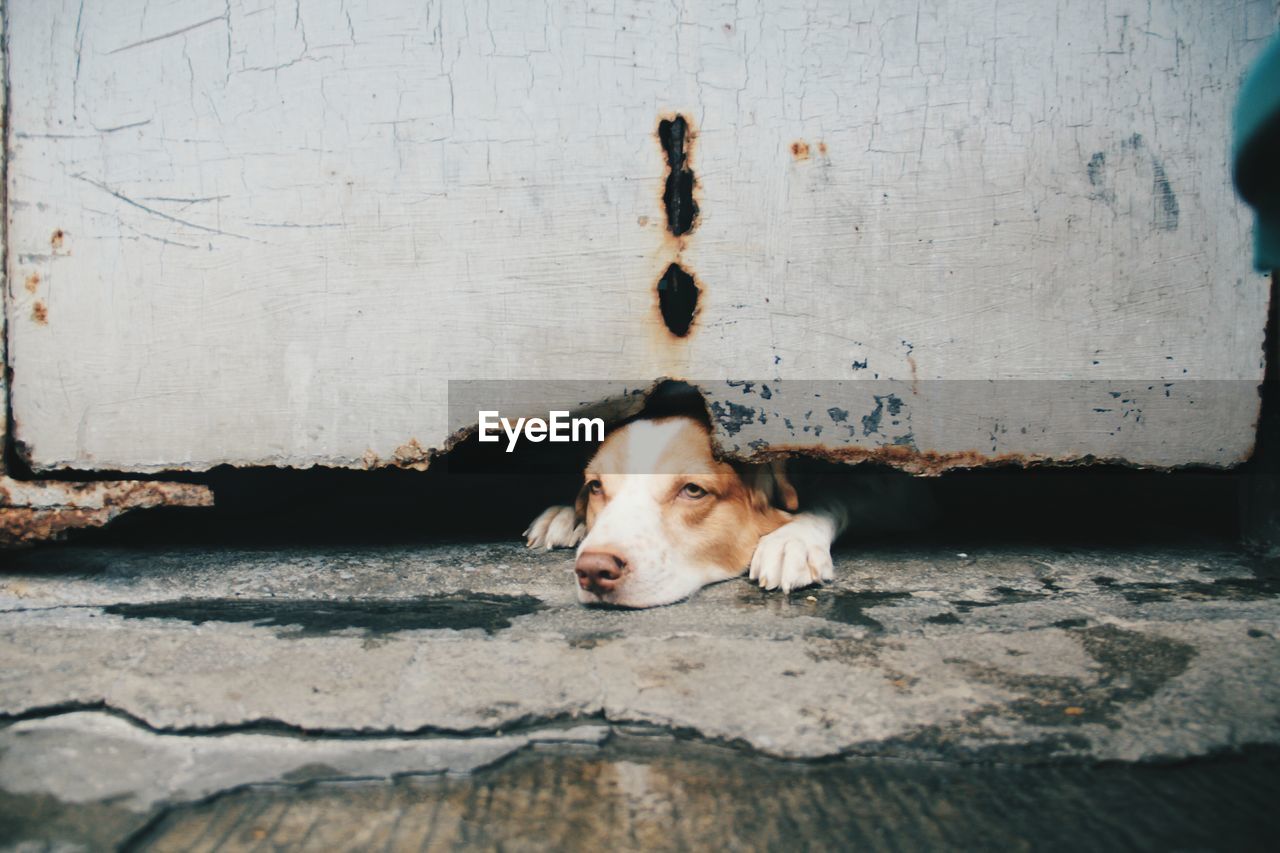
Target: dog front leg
[
  {"x": 798, "y": 554},
  {"x": 556, "y": 527}
]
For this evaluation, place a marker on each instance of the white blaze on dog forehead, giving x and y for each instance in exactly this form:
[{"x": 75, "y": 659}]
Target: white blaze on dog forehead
[{"x": 669, "y": 446}]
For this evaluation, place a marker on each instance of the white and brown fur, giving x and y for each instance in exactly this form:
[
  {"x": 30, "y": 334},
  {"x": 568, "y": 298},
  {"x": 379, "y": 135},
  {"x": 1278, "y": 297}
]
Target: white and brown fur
[{"x": 659, "y": 517}]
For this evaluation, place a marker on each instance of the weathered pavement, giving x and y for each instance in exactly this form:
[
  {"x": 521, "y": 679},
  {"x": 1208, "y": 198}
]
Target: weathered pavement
[{"x": 142, "y": 691}]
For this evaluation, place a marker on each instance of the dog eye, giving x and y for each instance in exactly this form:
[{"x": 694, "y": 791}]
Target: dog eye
[
  {"x": 693, "y": 491},
  {"x": 595, "y": 487}
]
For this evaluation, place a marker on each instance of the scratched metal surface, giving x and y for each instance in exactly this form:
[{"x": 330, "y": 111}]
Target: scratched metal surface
[{"x": 269, "y": 233}]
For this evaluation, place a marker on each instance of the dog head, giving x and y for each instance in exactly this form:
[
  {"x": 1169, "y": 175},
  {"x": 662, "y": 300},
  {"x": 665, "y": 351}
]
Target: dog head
[{"x": 665, "y": 517}]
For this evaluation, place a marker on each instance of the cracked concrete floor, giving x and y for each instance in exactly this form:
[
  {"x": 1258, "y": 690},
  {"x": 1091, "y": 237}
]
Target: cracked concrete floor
[{"x": 457, "y": 695}]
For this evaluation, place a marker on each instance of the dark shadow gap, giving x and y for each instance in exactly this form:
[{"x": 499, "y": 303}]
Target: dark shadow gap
[
  {"x": 483, "y": 496},
  {"x": 677, "y": 300},
  {"x": 678, "y": 195}
]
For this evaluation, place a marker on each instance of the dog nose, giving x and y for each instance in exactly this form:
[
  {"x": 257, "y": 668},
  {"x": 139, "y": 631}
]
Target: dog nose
[{"x": 599, "y": 571}]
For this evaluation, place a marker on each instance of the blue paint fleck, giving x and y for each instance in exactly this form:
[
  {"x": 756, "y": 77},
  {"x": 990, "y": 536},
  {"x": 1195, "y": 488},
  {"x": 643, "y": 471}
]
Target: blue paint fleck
[
  {"x": 884, "y": 402},
  {"x": 732, "y": 416}
]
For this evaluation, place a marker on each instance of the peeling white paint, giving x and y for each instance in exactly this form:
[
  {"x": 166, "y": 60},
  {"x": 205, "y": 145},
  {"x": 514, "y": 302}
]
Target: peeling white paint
[{"x": 286, "y": 225}]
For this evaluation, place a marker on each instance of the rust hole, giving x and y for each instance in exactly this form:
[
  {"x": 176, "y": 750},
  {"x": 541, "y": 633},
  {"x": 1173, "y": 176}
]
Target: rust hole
[
  {"x": 40, "y": 313},
  {"x": 682, "y": 211},
  {"x": 56, "y": 240},
  {"x": 677, "y": 299},
  {"x": 800, "y": 150}
]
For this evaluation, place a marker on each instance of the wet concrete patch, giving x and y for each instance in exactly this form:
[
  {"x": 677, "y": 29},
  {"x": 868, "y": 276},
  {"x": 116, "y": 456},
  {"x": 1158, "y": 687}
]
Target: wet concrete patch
[
  {"x": 592, "y": 639},
  {"x": 1131, "y": 667},
  {"x": 1002, "y": 595},
  {"x": 1255, "y": 588},
  {"x": 1136, "y": 664},
  {"x": 846, "y": 606},
  {"x": 849, "y": 607},
  {"x": 656, "y": 793},
  {"x": 457, "y": 611},
  {"x": 44, "y": 822}
]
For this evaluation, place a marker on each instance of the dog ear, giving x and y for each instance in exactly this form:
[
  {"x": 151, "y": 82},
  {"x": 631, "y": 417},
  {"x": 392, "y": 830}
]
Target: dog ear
[
  {"x": 784, "y": 493},
  {"x": 769, "y": 486},
  {"x": 580, "y": 504}
]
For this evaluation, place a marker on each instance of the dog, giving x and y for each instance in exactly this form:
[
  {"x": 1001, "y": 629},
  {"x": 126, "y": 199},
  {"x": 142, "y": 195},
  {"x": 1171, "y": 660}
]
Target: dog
[{"x": 659, "y": 516}]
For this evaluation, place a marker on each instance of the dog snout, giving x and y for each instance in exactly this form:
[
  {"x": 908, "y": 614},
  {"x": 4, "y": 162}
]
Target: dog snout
[{"x": 599, "y": 571}]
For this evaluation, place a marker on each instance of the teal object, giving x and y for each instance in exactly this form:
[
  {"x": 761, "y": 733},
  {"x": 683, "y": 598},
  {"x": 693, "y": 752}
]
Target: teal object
[{"x": 1256, "y": 154}]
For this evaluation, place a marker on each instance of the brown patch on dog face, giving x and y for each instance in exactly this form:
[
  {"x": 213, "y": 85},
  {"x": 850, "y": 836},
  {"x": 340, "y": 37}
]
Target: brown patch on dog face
[
  {"x": 729, "y": 522},
  {"x": 580, "y": 504}
]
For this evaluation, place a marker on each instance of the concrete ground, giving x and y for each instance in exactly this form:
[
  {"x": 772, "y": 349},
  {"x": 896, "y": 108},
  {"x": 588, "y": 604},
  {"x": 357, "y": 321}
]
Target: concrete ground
[{"x": 457, "y": 695}]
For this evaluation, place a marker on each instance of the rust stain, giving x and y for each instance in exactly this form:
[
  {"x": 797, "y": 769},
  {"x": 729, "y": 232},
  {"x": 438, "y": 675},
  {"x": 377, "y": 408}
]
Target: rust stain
[
  {"x": 642, "y": 221},
  {"x": 21, "y": 525},
  {"x": 924, "y": 463},
  {"x": 40, "y": 313},
  {"x": 33, "y": 282},
  {"x": 413, "y": 455},
  {"x": 37, "y": 511},
  {"x": 56, "y": 240},
  {"x": 143, "y": 495},
  {"x": 800, "y": 150},
  {"x": 822, "y": 148},
  {"x": 672, "y": 246},
  {"x": 915, "y": 381}
]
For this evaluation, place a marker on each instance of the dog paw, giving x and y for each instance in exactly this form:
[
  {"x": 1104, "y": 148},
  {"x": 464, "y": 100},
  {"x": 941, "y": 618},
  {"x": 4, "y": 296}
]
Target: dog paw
[
  {"x": 795, "y": 555},
  {"x": 556, "y": 527}
]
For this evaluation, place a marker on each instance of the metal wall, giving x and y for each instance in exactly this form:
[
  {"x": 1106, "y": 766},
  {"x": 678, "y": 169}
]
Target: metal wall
[{"x": 269, "y": 233}]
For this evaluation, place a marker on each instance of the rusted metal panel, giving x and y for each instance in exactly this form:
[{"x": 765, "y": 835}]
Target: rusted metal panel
[
  {"x": 37, "y": 511},
  {"x": 930, "y": 426},
  {"x": 270, "y": 235},
  {"x": 923, "y": 426}
]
